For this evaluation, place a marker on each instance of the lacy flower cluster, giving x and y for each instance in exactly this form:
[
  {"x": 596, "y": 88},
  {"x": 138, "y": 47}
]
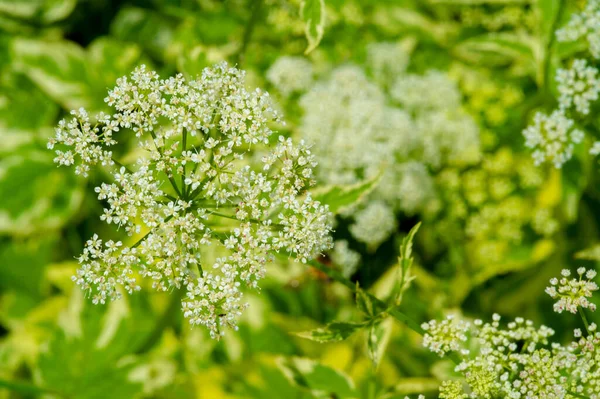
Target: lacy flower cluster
[
  {"x": 553, "y": 137},
  {"x": 519, "y": 360},
  {"x": 379, "y": 120},
  {"x": 193, "y": 187}
]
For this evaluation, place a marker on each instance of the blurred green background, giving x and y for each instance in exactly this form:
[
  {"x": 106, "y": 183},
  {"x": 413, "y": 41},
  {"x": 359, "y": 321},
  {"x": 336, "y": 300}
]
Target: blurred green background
[{"x": 477, "y": 252}]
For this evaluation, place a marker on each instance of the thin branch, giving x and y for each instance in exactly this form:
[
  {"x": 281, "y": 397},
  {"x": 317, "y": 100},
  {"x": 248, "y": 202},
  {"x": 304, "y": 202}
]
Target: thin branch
[{"x": 255, "y": 13}]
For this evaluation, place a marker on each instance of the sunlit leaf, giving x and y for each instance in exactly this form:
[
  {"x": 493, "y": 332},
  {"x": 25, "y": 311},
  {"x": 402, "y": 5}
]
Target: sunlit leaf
[
  {"x": 41, "y": 197},
  {"x": 313, "y": 15},
  {"x": 378, "y": 338},
  {"x": 592, "y": 253},
  {"x": 497, "y": 49},
  {"x": 321, "y": 380},
  {"x": 340, "y": 198},
  {"x": 58, "y": 67},
  {"x": 405, "y": 261},
  {"x": 332, "y": 332}
]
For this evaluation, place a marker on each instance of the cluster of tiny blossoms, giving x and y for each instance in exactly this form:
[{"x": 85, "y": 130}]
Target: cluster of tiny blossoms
[
  {"x": 398, "y": 125},
  {"x": 445, "y": 336},
  {"x": 573, "y": 293},
  {"x": 518, "y": 360},
  {"x": 194, "y": 186},
  {"x": 585, "y": 24},
  {"x": 578, "y": 86},
  {"x": 552, "y": 137}
]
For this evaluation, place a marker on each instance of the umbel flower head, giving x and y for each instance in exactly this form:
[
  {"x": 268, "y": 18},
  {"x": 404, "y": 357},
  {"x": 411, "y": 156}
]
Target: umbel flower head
[
  {"x": 573, "y": 292},
  {"x": 194, "y": 186},
  {"x": 585, "y": 24},
  {"x": 552, "y": 138}
]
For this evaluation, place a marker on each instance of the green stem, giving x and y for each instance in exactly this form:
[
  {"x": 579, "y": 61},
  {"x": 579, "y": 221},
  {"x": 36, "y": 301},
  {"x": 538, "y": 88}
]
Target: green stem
[
  {"x": 138, "y": 242},
  {"x": 577, "y": 395},
  {"x": 184, "y": 146},
  {"x": 382, "y": 306},
  {"x": 550, "y": 46},
  {"x": 584, "y": 318},
  {"x": 255, "y": 13},
  {"x": 120, "y": 165},
  {"x": 159, "y": 149},
  {"x": 165, "y": 320},
  {"x": 26, "y": 388}
]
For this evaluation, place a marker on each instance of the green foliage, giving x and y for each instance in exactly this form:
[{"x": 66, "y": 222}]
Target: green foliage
[
  {"x": 320, "y": 380},
  {"x": 492, "y": 227},
  {"x": 332, "y": 332},
  {"x": 342, "y": 198},
  {"x": 313, "y": 15}
]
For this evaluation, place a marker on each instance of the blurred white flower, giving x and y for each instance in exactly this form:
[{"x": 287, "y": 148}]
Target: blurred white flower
[
  {"x": 552, "y": 138},
  {"x": 585, "y": 24},
  {"x": 373, "y": 224},
  {"x": 578, "y": 86},
  {"x": 290, "y": 74}
]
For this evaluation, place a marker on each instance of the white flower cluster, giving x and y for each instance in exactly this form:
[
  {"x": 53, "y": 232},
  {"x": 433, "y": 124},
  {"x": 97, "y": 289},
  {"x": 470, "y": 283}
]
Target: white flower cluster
[
  {"x": 85, "y": 143},
  {"x": 552, "y": 137},
  {"x": 447, "y": 133},
  {"x": 194, "y": 187},
  {"x": 347, "y": 118},
  {"x": 445, "y": 336},
  {"x": 430, "y": 91},
  {"x": 290, "y": 74},
  {"x": 407, "y": 186},
  {"x": 373, "y": 224},
  {"x": 358, "y": 133},
  {"x": 386, "y": 61},
  {"x": 573, "y": 293},
  {"x": 585, "y": 24},
  {"x": 345, "y": 257},
  {"x": 578, "y": 86},
  {"x": 519, "y": 361}
]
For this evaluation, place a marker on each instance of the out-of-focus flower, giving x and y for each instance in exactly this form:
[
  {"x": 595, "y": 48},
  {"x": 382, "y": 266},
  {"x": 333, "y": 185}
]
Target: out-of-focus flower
[
  {"x": 290, "y": 74},
  {"x": 552, "y": 137},
  {"x": 578, "y": 86},
  {"x": 585, "y": 24},
  {"x": 374, "y": 224}
]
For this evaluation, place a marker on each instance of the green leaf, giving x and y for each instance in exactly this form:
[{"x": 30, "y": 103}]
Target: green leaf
[
  {"x": 109, "y": 60},
  {"x": 88, "y": 357},
  {"x": 59, "y": 69},
  {"x": 405, "y": 261},
  {"x": 332, "y": 332},
  {"x": 19, "y": 126},
  {"x": 147, "y": 28},
  {"x": 378, "y": 339},
  {"x": 547, "y": 11},
  {"x": 340, "y": 198},
  {"x": 364, "y": 302},
  {"x": 313, "y": 15},
  {"x": 592, "y": 253},
  {"x": 22, "y": 264},
  {"x": 322, "y": 381},
  {"x": 38, "y": 11},
  {"x": 497, "y": 49},
  {"x": 478, "y": 2},
  {"x": 42, "y": 196}
]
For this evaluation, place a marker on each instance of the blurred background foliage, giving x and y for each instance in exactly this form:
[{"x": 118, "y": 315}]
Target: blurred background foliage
[{"x": 495, "y": 228}]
